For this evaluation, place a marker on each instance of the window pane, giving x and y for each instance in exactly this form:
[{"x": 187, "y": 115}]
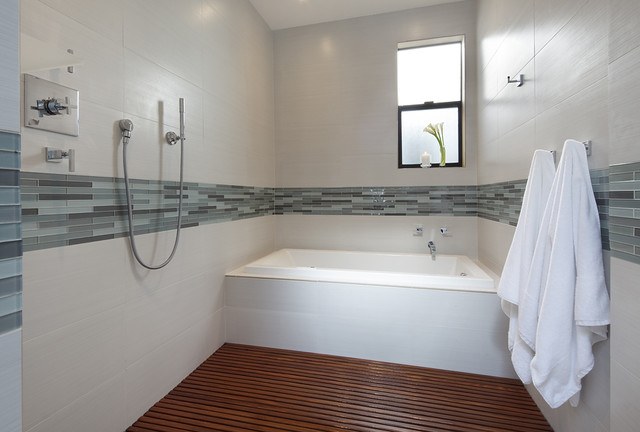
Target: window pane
[
  {"x": 415, "y": 140},
  {"x": 430, "y": 74}
]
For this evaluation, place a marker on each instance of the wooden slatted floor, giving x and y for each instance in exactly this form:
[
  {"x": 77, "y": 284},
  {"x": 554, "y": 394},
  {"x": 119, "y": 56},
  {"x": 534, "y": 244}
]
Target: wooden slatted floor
[{"x": 242, "y": 388}]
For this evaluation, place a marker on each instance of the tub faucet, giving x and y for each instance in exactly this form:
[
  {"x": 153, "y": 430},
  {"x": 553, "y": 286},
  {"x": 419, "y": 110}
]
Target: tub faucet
[{"x": 432, "y": 248}]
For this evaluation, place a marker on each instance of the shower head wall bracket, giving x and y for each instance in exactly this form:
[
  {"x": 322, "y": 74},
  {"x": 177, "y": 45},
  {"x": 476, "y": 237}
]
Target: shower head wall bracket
[{"x": 172, "y": 138}]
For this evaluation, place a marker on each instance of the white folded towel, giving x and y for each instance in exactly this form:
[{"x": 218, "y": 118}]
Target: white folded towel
[
  {"x": 518, "y": 264},
  {"x": 570, "y": 295}
]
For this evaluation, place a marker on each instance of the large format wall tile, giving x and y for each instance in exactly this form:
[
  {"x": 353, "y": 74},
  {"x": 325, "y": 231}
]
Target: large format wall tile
[
  {"x": 624, "y": 27},
  {"x": 336, "y": 101},
  {"x": 575, "y": 58},
  {"x": 624, "y": 100},
  {"x": 551, "y": 16}
]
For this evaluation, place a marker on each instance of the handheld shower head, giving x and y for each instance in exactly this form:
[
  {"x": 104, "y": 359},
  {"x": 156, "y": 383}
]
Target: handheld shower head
[{"x": 126, "y": 126}]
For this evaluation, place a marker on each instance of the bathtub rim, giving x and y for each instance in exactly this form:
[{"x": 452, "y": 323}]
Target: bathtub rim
[{"x": 240, "y": 273}]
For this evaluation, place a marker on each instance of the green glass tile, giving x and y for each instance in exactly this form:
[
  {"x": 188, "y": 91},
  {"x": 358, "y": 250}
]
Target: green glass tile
[{"x": 10, "y": 323}]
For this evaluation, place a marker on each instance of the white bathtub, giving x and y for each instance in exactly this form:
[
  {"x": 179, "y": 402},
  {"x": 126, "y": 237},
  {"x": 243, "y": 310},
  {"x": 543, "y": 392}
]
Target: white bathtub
[
  {"x": 366, "y": 305},
  {"x": 454, "y": 272}
]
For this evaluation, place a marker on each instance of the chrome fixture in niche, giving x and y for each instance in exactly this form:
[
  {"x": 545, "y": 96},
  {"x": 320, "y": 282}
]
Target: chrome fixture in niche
[
  {"x": 50, "y": 106},
  {"x": 126, "y": 127}
]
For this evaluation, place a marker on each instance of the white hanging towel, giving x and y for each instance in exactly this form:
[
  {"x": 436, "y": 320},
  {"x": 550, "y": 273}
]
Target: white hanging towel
[
  {"x": 518, "y": 263},
  {"x": 573, "y": 303}
]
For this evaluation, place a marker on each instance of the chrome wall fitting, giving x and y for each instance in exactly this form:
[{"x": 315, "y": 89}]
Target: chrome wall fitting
[
  {"x": 57, "y": 155},
  {"x": 519, "y": 80}
]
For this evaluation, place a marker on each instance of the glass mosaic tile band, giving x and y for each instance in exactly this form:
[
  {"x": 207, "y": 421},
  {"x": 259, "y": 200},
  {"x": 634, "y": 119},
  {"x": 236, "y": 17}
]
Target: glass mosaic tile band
[
  {"x": 61, "y": 210},
  {"x": 379, "y": 201},
  {"x": 501, "y": 202},
  {"x": 624, "y": 211},
  {"x": 10, "y": 241}
]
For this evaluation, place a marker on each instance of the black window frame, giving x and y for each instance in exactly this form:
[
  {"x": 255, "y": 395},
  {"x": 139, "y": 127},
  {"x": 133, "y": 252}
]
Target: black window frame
[
  {"x": 438, "y": 105},
  {"x": 426, "y": 107}
]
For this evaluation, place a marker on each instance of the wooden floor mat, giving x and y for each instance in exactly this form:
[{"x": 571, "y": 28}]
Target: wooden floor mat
[{"x": 243, "y": 388}]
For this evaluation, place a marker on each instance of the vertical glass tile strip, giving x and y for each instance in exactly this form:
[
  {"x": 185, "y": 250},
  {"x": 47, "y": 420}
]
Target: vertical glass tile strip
[{"x": 10, "y": 234}]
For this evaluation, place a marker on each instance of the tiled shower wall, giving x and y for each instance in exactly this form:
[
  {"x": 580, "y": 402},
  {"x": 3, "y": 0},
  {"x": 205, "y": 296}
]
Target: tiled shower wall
[
  {"x": 103, "y": 339},
  {"x": 10, "y": 244}
]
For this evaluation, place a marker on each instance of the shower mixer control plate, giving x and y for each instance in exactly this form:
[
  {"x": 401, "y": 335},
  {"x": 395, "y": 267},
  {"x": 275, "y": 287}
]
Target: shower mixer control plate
[{"x": 50, "y": 106}]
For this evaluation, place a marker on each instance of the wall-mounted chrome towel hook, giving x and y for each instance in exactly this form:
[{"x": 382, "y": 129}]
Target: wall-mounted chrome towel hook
[
  {"x": 519, "y": 80},
  {"x": 588, "y": 147}
]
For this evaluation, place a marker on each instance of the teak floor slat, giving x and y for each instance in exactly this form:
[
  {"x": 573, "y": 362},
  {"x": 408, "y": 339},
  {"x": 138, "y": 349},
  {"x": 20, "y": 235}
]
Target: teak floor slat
[{"x": 253, "y": 389}]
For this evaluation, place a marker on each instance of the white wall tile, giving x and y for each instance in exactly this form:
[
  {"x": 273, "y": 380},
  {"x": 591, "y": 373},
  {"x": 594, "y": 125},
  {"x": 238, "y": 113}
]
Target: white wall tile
[
  {"x": 575, "y": 58},
  {"x": 105, "y": 18},
  {"x": 11, "y": 381},
  {"x": 152, "y": 320},
  {"x": 63, "y": 365},
  {"x": 100, "y": 410},
  {"x": 495, "y": 17},
  {"x": 624, "y": 399},
  {"x": 336, "y": 102},
  {"x": 487, "y": 125},
  {"x": 567, "y": 418},
  {"x": 625, "y": 346},
  {"x": 152, "y": 92},
  {"x": 66, "y": 285},
  {"x": 515, "y": 150},
  {"x": 375, "y": 233},
  {"x": 10, "y": 69},
  {"x": 581, "y": 117},
  {"x": 168, "y": 34},
  {"x": 517, "y": 49},
  {"x": 494, "y": 241},
  {"x": 99, "y": 77},
  {"x": 152, "y": 377},
  {"x": 596, "y": 386},
  {"x": 624, "y": 27},
  {"x": 551, "y": 16},
  {"x": 624, "y": 100},
  {"x": 516, "y": 105}
]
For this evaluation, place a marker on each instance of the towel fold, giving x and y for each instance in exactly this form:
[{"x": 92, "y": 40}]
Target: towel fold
[
  {"x": 518, "y": 263},
  {"x": 565, "y": 308}
]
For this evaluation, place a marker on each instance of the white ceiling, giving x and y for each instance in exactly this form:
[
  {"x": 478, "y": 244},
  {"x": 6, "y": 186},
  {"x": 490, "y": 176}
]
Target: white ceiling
[{"x": 280, "y": 14}]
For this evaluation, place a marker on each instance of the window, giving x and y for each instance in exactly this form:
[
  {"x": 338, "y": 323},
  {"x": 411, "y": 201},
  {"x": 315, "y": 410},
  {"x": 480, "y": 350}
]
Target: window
[{"x": 430, "y": 90}]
